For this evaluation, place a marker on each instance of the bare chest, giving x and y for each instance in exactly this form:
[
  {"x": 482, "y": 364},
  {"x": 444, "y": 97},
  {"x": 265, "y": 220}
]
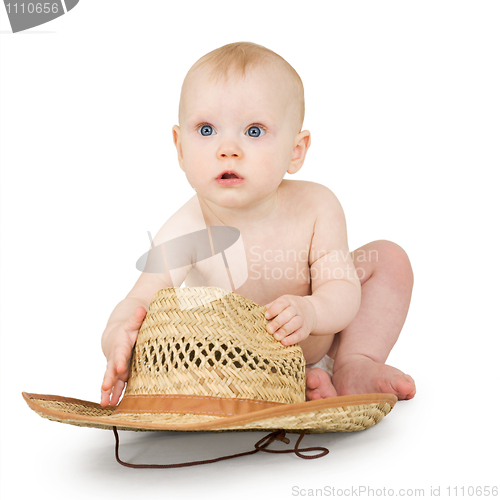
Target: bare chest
[
  {"x": 277, "y": 262},
  {"x": 273, "y": 257}
]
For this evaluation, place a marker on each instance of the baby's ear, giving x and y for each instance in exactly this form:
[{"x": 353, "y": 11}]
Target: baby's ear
[
  {"x": 176, "y": 133},
  {"x": 305, "y": 138},
  {"x": 302, "y": 144}
]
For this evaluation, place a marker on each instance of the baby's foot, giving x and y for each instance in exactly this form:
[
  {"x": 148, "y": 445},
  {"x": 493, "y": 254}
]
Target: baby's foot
[
  {"x": 362, "y": 375},
  {"x": 319, "y": 384}
]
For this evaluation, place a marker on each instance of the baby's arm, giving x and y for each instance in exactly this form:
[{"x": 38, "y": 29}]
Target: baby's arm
[
  {"x": 336, "y": 290},
  {"x": 121, "y": 331},
  {"x": 335, "y": 286}
]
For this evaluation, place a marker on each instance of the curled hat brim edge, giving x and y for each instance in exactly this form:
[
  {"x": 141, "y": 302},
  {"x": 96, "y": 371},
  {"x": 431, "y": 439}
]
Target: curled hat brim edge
[{"x": 339, "y": 414}]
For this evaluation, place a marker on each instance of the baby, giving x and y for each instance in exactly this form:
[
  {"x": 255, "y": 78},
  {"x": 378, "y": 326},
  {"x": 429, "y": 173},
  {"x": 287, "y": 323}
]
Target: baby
[{"x": 240, "y": 130}]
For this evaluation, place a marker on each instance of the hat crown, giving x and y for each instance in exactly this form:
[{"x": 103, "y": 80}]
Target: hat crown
[{"x": 206, "y": 341}]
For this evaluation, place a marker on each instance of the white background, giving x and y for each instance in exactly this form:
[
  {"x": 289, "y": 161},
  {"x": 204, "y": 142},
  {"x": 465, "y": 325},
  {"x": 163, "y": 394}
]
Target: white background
[{"x": 402, "y": 99}]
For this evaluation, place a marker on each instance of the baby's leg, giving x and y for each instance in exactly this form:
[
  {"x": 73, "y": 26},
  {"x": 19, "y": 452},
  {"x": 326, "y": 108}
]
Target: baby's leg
[{"x": 363, "y": 346}]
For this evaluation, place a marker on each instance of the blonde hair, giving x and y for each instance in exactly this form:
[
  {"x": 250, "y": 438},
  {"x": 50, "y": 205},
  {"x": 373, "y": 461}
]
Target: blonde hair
[{"x": 233, "y": 59}]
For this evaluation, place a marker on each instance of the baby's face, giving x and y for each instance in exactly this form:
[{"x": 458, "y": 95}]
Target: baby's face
[{"x": 246, "y": 126}]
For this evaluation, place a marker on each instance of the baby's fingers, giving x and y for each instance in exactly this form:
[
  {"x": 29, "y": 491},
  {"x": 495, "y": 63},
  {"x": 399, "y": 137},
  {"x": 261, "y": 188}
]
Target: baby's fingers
[
  {"x": 109, "y": 378},
  {"x": 106, "y": 391},
  {"x": 117, "y": 392},
  {"x": 283, "y": 321},
  {"x": 113, "y": 369},
  {"x": 119, "y": 362},
  {"x": 105, "y": 397},
  {"x": 295, "y": 337},
  {"x": 275, "y": 308},
  {"x": 134, "y": 322},
  {"x": 107, "y": 385},
  {"x": 289, "y": 328},
  {"x": 111, "y": 388}
]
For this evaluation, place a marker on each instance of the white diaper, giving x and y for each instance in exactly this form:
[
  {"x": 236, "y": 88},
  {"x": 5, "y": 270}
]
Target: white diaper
[{"x": 325, "y": 364}]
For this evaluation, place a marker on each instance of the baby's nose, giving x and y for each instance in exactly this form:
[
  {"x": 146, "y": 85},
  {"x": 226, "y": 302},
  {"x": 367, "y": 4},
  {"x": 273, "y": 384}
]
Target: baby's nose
[
  {"x": 222, "y": 155},
  {"x": 229, "y": 150}
]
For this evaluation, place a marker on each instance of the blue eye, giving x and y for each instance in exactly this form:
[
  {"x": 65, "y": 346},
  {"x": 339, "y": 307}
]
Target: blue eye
[
  {"x": 254, "y": 131},
  {"x": 206, "y": 130}
]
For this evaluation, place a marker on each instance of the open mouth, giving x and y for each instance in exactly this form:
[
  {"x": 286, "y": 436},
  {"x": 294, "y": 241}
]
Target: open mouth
[{"x": 229, "y": 175}]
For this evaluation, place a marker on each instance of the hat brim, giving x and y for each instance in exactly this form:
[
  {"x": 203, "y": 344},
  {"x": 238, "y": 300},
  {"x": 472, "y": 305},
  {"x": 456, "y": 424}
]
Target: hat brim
[{"x": 339, "y": 414}]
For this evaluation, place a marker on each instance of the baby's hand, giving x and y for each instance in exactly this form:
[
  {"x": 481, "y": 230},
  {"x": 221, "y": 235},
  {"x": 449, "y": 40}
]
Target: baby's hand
[
  {"x": 294, "y": 318},
  {"x": 118, "y": 349}
]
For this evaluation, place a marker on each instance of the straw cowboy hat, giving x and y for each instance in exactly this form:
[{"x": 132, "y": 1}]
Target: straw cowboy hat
[{"x": 204, "y": 361}]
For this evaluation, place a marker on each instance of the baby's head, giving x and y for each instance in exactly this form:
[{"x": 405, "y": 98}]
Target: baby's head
[{"x": 241, "y": 110}]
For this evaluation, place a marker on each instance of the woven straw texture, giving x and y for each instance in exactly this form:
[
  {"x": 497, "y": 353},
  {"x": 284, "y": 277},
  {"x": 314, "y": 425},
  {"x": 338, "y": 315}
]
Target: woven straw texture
[
  {"x": 205, "y": 341},
  {"x": 349, "y": 418}
]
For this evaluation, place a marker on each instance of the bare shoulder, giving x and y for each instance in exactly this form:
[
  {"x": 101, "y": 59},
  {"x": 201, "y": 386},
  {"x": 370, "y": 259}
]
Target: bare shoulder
[
  {"x": 315, "y": 195},
  {"x": 329, "y": 228},
  {"x": 188, "y": 219},
  {"x": 169, "y": 260}
]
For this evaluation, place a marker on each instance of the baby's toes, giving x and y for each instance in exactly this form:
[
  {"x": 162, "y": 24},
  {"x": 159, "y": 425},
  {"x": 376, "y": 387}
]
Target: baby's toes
[
  {"x": 406, "y": 387},
  {"x": 403, "y": 386},
  {"x": 319, "y": 385},
  {"x": 312, "y": 379},
  {"x": 312, "y": 394},
  {"x": 312, "y": 384}
]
